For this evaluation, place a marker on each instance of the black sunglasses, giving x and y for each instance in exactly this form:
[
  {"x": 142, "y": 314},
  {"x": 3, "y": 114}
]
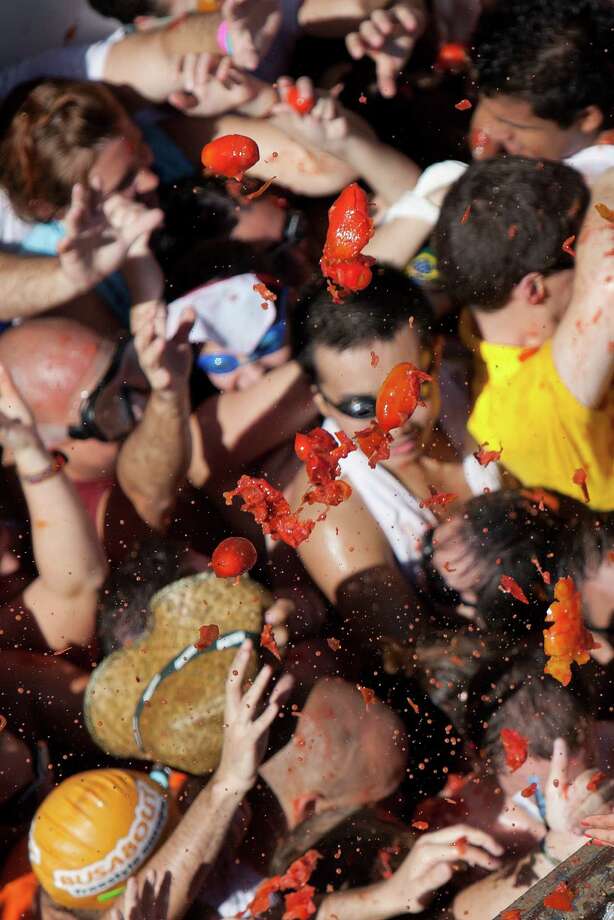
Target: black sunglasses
[
  {"x": 121, "y": 420},
  {"x": 363, "y": 406}
]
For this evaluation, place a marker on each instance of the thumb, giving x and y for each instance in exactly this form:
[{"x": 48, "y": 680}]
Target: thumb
[
  {"x": 183, "y": 100},
  {"x": 186, "y": 321},
  {"x": 557, "y": 777},
  {"x": 386, "y": 77}
]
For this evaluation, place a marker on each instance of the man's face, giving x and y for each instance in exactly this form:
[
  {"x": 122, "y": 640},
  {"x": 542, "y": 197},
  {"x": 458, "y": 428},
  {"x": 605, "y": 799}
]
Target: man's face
[
  {"x": 359, "y": 372},
  {"x": 510, "y": 126},
  {"x": 124, "y": 163}
]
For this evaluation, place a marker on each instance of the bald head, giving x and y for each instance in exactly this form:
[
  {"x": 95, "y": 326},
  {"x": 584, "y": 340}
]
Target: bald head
[
  {"x": 343, "y": 753},
  {"x": 51, "y": 361}
]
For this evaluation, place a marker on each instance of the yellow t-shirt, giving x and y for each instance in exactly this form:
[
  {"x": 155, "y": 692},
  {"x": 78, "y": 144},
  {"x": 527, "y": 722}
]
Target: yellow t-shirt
[{"x": 546, "y": 434}]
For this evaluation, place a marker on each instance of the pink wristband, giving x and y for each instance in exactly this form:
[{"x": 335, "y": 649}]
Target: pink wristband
[{"x": 223, "y": 38}]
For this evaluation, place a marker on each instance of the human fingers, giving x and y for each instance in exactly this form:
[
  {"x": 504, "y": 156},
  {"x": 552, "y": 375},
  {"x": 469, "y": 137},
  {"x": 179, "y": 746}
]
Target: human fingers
[
  {"x": 604, "y": 821},
  {"x": 407, "y": 18},
  {"x": 235, "y": 678},
  {"x": 355, "y": 46},
  {"x": 384, "y": 21},
  {"x": 305, "y": 87},
  {"x": 386, "y": 70},
  {"x": 557, "y": 776},
  {"x": 186, "y": 321},
  {"x": 279, "y": 611},
  {"x": 282, "y": 689},
  {"x": 474, "y": 836},
  {"x": 371, "y": 35},
  {"x": 253, "y": 695},
  {"x": 474, "y": 856}
]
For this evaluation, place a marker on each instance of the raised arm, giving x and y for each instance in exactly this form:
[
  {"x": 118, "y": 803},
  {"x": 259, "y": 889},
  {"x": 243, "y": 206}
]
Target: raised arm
[
  {"x": 582, "y": 345},
  {"x": 91, "y": 249},
  {"x": 200, "y": 835},
  {"x": 68, "y": 555},
  {"x": 152, "y": 61},
  {"x": 429, "y": 865}
]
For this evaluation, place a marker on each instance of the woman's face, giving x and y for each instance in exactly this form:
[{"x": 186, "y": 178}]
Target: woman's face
[{"x": 450, "y": 572}]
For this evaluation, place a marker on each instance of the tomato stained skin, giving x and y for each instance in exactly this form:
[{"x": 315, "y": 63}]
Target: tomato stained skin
[
  {"x": 301, "y": 104},
  {"x": 515, "y": 746},
  {"x": 233, "y": 556},
  {"x": 399, "y": 395},
  {"x": 230, "y": 155}
]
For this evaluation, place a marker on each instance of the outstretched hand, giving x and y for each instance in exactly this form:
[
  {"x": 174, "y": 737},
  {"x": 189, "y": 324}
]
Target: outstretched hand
[
  {"x": 388, "y": 38},
  {"x": 247, "y": 721},
  {"x": 211, "y": 86},
  {"x": 433, "y": 859},
  {"x": 252, "y": 26},
  {"x": 151, "y": 903},
  {"x": 569, "y": 803},
  {"x": 165, "y": 362},
  {"x": 96, "y": 242}
]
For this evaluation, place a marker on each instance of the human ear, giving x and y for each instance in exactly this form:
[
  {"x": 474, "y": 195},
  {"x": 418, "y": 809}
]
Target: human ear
[
  {"x": 532, "y": 289},
  {"x": 590, "y": 120}
]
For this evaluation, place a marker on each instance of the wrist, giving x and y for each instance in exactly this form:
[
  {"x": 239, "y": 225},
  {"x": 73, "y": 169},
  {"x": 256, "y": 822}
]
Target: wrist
[
  {"x": 32, "y": 457},
  {"x": 227, "y": 787},
  {"x": 560, "y": 845},
  {"x": 172, "y": 399}
]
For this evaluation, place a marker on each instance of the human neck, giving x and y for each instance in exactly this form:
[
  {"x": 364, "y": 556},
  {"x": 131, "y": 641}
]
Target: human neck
[
  {"x": 502, "y": 327},
  {"x": 282, "y": 780}
]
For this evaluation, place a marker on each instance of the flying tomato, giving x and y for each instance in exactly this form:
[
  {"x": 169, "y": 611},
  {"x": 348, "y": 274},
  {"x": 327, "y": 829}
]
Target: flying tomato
[{"x": 233, "y": 556}]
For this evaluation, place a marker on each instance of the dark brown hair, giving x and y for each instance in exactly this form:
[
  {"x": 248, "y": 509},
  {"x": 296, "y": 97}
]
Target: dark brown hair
[{"x": 51, "y": 132}]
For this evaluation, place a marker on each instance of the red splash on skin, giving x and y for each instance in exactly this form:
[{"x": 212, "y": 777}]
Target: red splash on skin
[
  {"x": 568, "y": 244},
  {"x": 321, "y": 453},
  {"x": 597, "y": 316},
  {"x": 267, "y": 640},
  {"x": 527, "y": 353},
  {"x": 466, "y": 214},
  {"x": 463, "y": 105},
  {"x": 461, "y": 845},
  {"x": 208, "y": 635},
  {"x": 448, "y": 567},
  {"x": 528, "y": 791},
  {"x": 367, "y": 694},
  {"x": 484, "y": 457},
  {"x": 374, "y": 359},
  {"x": 233, "y": 557},
  {"x": 579, "y": 478},
  {"x": 596, "y": 780},
  {"x": 560, "y": 898},
  {"x": 230, "y": 155},
  {"x": 509, "y": 585},
  {"x": 515, "y": 747},
  {"x": 567, "y": 640}
]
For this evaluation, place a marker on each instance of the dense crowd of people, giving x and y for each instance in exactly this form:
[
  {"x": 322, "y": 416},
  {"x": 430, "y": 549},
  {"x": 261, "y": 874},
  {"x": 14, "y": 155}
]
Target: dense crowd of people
[{"x": 403, "y": 702}]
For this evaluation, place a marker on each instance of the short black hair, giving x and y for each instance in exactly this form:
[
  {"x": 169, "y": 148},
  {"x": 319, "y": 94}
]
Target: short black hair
[
  {"x": 375, "y": 314},
  {"x": 127, "y": 10},
  {"x": 123, "y": 610},
  {"x": 557, "y": 55},
  {"x": 503, "y": 219},
  {"x": 516, "y": 533}
]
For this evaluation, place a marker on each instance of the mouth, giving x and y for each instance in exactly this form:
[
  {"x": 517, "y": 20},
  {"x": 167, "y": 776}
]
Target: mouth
[{"x": 407, "y": 443}]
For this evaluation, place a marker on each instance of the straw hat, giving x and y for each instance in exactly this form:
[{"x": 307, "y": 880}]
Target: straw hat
[{"x": 161, "y": 698}]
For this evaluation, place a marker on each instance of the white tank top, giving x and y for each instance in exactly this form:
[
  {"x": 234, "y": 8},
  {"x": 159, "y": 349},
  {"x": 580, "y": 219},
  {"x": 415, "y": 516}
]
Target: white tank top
[{"x": 395, "y": 509}]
